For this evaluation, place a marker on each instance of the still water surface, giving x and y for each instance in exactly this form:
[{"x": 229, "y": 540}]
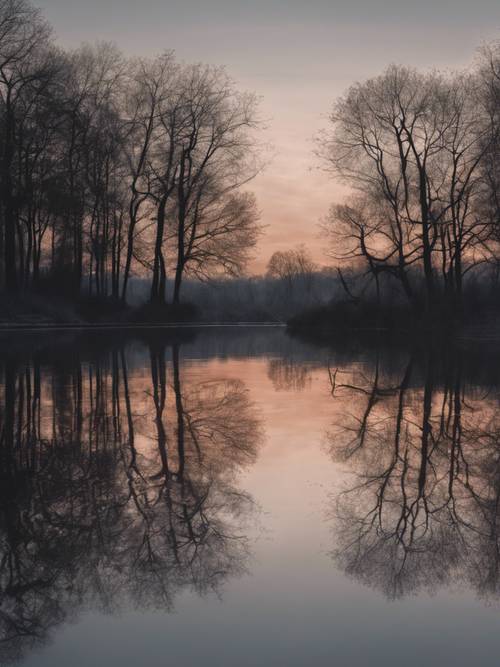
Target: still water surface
[{"x": 237, "y": 497}]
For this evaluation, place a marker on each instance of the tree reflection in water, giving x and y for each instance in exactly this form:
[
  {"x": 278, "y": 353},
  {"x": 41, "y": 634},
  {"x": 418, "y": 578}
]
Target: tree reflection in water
[
  {"x": 117, "y": 490},
  {"x": 289, "y": 374},
  {"x": 424, "y": 450}
]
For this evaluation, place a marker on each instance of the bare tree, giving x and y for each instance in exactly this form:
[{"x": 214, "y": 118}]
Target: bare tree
[
  {"x": 217, "y": 157},
  {"x": 410, "y": 145},
  {"x": 106, "y": 160},
  {"x": 291, "y": 266},
  {"x": 24, "y": 41},
  {"x": 489, "y": 98},
  {"x": 148, "y": 89}
]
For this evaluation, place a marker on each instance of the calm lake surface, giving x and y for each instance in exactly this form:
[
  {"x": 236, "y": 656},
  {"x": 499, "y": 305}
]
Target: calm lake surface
[{"x": 237, "y": 497}]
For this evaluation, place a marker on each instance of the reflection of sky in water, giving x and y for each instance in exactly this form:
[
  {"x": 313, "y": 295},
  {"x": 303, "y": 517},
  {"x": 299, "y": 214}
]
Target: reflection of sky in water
[{"x": 293, "y": 607}]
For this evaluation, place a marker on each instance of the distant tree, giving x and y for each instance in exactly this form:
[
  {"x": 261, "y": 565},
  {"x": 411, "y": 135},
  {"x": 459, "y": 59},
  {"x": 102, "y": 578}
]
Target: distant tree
[{"x": 292, "y": 266}]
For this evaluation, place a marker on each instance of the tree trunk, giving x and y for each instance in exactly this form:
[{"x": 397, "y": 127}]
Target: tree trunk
[
  {"x": 181, "y": 222},
  {"x": 8, "y": 203},
  {"x": 156, "y": 290}
]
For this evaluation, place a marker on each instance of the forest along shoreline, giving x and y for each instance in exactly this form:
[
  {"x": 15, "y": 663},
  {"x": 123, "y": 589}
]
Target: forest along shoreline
[{"x": 124, "y": 195}]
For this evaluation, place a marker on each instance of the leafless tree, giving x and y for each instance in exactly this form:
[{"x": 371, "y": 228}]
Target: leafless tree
[
  {"x": 24, "y": 62},
  {"x": 149, "y": 89},
  {"x": 410, "y": 145},
  {"x": 291, "y": 265},
  {"x": 489, "y": 98},
  {"x": 107, "y": 160},
  {"x": 215, "y": 224}
]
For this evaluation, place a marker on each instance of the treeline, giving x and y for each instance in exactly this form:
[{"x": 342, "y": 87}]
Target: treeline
[
  {"x": 420, "y": 152},
  {"x": 111, "y": 165},
  {"x": 247, "y": 299}
]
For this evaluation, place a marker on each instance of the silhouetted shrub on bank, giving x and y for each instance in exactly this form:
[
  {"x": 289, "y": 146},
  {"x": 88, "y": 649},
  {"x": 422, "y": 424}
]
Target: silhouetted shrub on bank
[
  {"x": 102, "y": 309},
  {"x": 34, "y": 308},
  {"x": 165, "y": 313},
  {"x": 352, "y": 315}
]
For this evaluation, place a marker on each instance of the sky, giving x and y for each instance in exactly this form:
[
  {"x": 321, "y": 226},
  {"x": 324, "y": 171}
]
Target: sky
[{"x": 299, "y": 56}]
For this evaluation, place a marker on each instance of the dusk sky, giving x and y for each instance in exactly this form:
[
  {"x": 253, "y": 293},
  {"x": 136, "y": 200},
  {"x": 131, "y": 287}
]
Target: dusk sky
[{"x": 299, "y": 56}]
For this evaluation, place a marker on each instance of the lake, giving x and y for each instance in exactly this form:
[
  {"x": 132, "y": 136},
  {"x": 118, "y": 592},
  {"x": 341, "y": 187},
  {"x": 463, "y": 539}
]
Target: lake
[{"x": 234, "y": 496}]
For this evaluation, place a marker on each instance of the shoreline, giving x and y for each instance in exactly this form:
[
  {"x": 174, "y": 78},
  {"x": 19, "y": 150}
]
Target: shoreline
[{"x": 97, "y": 326}]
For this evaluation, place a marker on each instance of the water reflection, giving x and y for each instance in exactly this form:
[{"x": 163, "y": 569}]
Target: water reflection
[
  {"x": 289, "y": 374},
  {"x": 117, "y": 486},
  {"x": 122, "y": 476},
  {"x": 423, "y": 445}
]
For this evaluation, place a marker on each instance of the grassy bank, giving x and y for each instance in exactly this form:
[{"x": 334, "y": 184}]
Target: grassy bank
[{"x": 42, "y": 309}]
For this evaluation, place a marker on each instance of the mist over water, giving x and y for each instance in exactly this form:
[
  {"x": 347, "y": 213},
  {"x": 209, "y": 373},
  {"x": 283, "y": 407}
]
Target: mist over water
[{"x": 238, "y": 496}]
